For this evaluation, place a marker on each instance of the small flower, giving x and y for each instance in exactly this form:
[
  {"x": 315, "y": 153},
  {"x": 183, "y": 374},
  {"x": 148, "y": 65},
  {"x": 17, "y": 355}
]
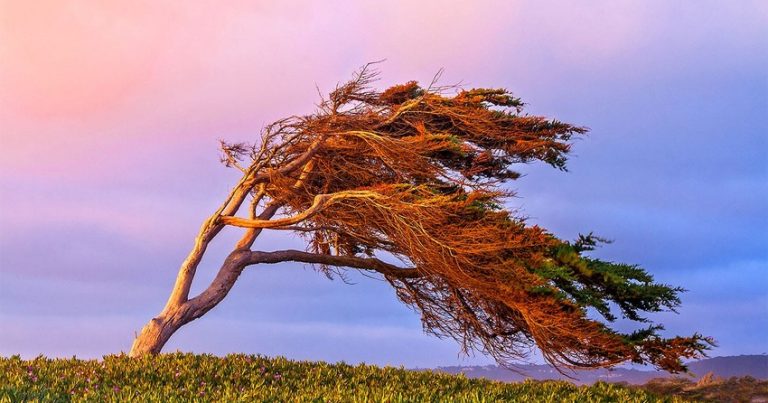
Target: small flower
[
  {"x": 116, "y": 389},
  {"x": 278, "y": 377},
  {"x": 176, "y": 375}
]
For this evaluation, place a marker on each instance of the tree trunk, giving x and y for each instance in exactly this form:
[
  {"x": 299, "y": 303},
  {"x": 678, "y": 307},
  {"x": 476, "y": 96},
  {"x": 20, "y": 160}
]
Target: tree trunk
[{"x": 156, "y": 333}]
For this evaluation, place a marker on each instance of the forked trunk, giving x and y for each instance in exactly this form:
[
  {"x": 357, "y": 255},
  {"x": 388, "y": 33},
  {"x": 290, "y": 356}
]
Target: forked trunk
[{"x": 176, "y": 314}]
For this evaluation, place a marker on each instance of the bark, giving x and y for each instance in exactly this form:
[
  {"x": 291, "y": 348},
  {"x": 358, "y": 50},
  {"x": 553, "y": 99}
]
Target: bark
[{"x": 156, "y": 333}]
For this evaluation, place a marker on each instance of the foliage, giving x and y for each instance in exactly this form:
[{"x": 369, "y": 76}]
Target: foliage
[{"x": 187, "y": 377}]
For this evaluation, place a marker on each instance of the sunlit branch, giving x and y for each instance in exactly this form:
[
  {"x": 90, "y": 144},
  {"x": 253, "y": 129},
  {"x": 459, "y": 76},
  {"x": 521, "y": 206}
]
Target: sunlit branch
[{"x": 320, "y": 202}]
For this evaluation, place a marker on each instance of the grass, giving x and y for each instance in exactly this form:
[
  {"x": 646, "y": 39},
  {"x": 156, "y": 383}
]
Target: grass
[{"x": 188, "y": 377}]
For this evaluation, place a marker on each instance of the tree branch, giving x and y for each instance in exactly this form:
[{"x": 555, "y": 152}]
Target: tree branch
[
  {"x": 291, "y": 166},
  {"x": 362, "y": 263},
  {"x": 318, "y": 204},
  {"x": 238, "y": 260},
  {"x": 252, "y": 233}
]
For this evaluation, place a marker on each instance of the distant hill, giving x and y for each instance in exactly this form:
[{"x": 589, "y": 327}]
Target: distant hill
[
  {"x": 726, "y": 367},
  {"x": 755, "y": 366}
]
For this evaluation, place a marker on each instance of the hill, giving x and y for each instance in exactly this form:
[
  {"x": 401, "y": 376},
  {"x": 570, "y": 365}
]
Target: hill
[
  {"x": 188, "y": 377},
  {"x": 755, "y": 366}
]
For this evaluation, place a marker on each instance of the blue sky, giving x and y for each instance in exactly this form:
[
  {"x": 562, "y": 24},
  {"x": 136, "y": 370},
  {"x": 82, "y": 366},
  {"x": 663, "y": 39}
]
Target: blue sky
[{"x": 109, "y": 159}]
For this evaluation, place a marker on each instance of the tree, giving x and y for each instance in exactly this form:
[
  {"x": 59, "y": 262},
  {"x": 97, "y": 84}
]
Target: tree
[{"x": 413, "y": 175}]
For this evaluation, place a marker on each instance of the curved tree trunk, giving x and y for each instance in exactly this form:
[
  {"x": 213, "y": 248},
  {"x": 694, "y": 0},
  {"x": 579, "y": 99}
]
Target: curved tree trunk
[{"x": 180, "y": 309}]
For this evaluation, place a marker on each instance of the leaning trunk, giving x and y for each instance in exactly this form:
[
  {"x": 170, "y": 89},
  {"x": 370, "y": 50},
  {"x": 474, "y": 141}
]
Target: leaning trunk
[{"x": 156, "y": 333}]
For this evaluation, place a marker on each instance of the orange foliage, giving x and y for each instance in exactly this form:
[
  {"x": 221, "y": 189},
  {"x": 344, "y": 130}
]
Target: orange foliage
[{"x": 414, "y": 174}]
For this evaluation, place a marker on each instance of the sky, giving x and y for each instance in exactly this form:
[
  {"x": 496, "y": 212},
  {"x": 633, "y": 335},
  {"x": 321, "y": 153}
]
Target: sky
[{"x": 111, "y": 112}]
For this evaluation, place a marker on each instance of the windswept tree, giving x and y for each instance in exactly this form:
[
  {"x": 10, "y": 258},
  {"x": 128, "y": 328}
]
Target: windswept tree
[{"x": 406, "y": 184}]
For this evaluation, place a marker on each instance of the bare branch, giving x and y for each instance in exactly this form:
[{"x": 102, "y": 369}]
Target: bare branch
[
  {"x": 232, "y": 154},
  {"x": 292, "y": 165},
  {"x": 371, "y": 264}
]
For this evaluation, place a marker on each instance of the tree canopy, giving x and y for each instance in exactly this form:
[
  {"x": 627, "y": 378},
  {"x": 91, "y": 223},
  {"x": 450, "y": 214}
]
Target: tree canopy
[{"x": 416, "y": 176}]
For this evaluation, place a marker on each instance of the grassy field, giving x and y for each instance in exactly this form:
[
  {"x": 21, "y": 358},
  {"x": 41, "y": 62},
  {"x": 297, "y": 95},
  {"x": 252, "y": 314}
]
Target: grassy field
[{"x": 188, "y": 377}]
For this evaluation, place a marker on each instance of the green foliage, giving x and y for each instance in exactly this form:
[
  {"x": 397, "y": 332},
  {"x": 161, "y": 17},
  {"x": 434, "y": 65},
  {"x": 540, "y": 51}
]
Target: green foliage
[
  {"x": 595, "y": 283},
  {"x": 188, "y": 377}
]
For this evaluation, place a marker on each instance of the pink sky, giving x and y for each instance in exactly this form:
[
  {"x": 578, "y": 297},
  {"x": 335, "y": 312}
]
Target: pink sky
[{"x": 98, "y": 82}]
